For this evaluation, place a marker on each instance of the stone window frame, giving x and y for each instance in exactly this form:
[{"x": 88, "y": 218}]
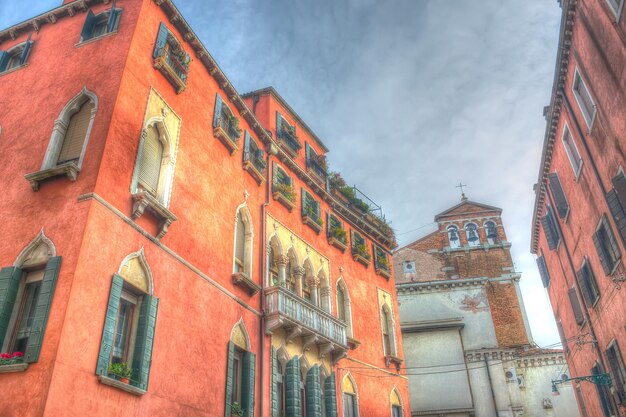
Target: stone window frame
[
  {"x": 465, "y": 228},
  {"x": 392, "y": 405},
  {"x": 588, "y": 114},
  {"x": 347, "y": 305},
  {"x": 50, "y": 166},
  {"x": 354, "y": 394},
  {"x": 490, "y": 241},
  {"x": 616, "y": 9},
  {"x": 102, "y": 17},
  {"x": 16, "y": 52},
  {"x": 385, "y": 311},
  {"x": 458, "y": 244},
  {"x": 576, "y": 161}
]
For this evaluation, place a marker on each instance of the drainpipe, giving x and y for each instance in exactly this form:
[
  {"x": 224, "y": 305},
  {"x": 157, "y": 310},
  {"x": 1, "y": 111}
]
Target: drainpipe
[
  {"x": 493, "y": 394},
  {"x": 271, "y": 150}
]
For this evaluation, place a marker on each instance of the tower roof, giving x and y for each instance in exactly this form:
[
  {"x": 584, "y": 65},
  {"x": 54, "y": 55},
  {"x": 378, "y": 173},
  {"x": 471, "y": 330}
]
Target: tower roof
[{"x": 466, "y": 206}]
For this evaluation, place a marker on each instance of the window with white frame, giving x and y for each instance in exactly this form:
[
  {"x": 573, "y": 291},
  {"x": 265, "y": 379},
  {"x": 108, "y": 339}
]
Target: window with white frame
[
  {"x": 453, "y": 237},
  {"x": 572, "y": 151},
  {"x": 16, "y": 56},
  {"x": 616, "y": 6},
  {"x": 471, "y": 232},
  {"x": 583, "y": 98}
]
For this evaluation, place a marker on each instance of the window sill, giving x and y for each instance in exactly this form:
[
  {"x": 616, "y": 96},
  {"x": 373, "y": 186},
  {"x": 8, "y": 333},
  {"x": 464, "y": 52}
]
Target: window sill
[
  {"x": 353, "y": 343},
  {"x": 282, "y": 199},
  {"x": 391, "y": 359},
  {"x": 13, "y": 69},
  {"x": 337, "y": 243},
  {"x": 241, "y": 279},
  {"x": 143, "y": 200},
  {"x": 164, "y": 68},
  {"x": 70, "y": 169},
  {"x": 288, "y": 149},
  {"x": 120, "y": 385},
  {"x": 384, "y": 273},
  {"x": 254, "y": 171},
  {"x": 361, "y": 259},
  {"x": 18, "y": 367},
  {"x": 226, "y": 140},
  {"x": 95, "y": 39},
  {"x": 310, "y": 221}
]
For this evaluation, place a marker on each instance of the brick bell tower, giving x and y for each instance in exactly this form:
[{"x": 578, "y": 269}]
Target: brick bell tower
[{"x": 471, "y": 244}]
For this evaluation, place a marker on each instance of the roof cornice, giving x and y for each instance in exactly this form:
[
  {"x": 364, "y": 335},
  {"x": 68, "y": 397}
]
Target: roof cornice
[
  {"x": 272, "y": 91},
  {"x": 554, "y": 113}
]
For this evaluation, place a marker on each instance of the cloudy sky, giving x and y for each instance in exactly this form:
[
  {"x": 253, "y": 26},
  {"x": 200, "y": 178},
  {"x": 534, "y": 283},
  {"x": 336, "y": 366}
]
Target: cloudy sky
[{"x": 411, "y": 97}]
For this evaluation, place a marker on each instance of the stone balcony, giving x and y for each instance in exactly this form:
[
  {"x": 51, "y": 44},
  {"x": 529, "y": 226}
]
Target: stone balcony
[{"x": 299, "y": 318}]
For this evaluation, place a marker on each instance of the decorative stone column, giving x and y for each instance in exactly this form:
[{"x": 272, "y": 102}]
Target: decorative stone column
[
  {"x": 281, "y": 262},
  {"x": 325, "y": 296},
  {"x": 313, "y": 283},
  {"x": 298, "y": 273}
]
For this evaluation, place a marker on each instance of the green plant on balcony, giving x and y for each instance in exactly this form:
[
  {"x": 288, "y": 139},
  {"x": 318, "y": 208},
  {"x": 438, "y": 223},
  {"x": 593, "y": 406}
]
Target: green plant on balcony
[
  {"x": 336, "y": 181},
  {"x": 321, "y": 161},
  {"x": 286, "y": 190},
  {"x": 312, "y": 215},
  {"x": 385, "y": 228},
  {"x": 236, "y": 410},
  {"x": 338, "y": 233},
  {"x": 382, "y": 262},
  {"x": 121, "y": 370},
  {"x": 288, "y": 133},
  {"x": 361, "y": 250}
]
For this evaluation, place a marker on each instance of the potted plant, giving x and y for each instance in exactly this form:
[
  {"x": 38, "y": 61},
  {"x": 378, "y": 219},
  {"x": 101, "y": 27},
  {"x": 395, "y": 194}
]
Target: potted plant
[
  {"x": 339, "y": 234},
  {"x": 121, "y": 370},
  {"x": 236, "y": 410},
  {"x": 286, "y": 190},
  {"x": 11, "y": 358}
]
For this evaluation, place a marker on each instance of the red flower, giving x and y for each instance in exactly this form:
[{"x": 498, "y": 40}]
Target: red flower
[
  {"x": 18, "y": 354},
  {"x": 6, "y": 355}
]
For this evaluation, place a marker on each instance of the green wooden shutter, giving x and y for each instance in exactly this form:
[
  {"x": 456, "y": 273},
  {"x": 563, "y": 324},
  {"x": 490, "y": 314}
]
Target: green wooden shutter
[
  {"x": 44, "y": 300},
  {"x": 275, "y": 376},
  {"x": 617, "y": 211},
  {"x": 562, "y": 206},
  {"x": 292, "y": 388},
  {"x": 619, "y": 183},
  {"x": 313, "y": 391},
  {"x": 279, "y": 124},
  {"x": 307, "y": 151},
  {"x": 150, "y": 161},
  {"x": 161, "y": 40},
  {"x": 4, "y": 60},
  {"x": 247, "y": 384},
  {"x": 26, "y": 50},
  {"x": 576, "y": 308},
  {"x": 108, "y": 330},
  {"x": 543, "y": 271},
  {"x": 90, "y": 22},
  {"x": 144, "y": 340},
  {"x": 217, "y": 113},
  {"x": 604, "y": 258},
  {"x": 587, "y": 284},
  {"x": 247, "y": 155},
  {"x": 330, "y": 395},
  {"x": 9, "y": 285},
  {"x": 113, "y": 14},
  {"x": 547, "y": 222},
  {"x": 229, "y": 378}
]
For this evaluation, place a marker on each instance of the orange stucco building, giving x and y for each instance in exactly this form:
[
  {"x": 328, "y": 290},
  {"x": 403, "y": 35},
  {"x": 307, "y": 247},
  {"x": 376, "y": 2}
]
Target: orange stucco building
[{"x": 156, "y": 220}]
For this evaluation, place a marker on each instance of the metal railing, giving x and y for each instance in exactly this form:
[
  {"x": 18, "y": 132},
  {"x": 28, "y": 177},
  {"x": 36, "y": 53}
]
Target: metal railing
[
  {"x": 231, "y": 130},
  {"x": 176, "y": 66},
  {"x": 284, "y": 302}
]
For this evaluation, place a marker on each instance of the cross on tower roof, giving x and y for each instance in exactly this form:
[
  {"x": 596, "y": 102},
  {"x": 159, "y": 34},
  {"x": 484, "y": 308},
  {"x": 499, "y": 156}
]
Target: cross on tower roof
[{"x": 461, "y": 185}]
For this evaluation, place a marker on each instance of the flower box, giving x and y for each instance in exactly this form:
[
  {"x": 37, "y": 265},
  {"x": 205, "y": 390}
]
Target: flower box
[
  {"x": 249, "y": 166},
  {"x": 312, "y": 223},
  {"x": 337, "y": 243},
  {"x": 384, "y": 272},
  {"x": 361, "y": 259},
  {"x": 172, "y": 74},
  {"x": 284, "y": 200},
  {"x": 221, "y": 133}
]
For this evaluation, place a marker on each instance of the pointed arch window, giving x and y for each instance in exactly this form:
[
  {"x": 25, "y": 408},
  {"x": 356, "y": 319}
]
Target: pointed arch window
[
  {"x": 242, "y": 257},
  {"x": 68, "y": 142},
  {"x": 153, "y": 175},
  {"x": 26, "y": 292},
  {"x": 396, "y": 404},
  {"x": 129, "y": 326},
  {"x": 471, "y": 232},
  {"x": 349, "y": 397},
  {"x": 240, "y": 372},
  {"x": 388, "y": 332},
  {"x": 453, "y": 237},
  {"x": 344, "y": 311}
]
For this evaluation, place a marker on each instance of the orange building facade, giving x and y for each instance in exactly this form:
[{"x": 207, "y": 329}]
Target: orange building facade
[{"x": 172, "y": 247}]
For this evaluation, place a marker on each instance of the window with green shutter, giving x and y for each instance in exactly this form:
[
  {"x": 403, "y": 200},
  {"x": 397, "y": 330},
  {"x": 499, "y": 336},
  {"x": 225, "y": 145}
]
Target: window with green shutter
[
  {"x": 607, "y": 248},
  {"x": 587, "y": 283},
  {"x": 313, "y": 391},
  {"x": 330, "y": 396},
  {"x": 550, "y": 228},
  {"x": 240, "y": 380},
  {"x": 97, "y": 25},
  {"x": 121, "y": 331},
  {"x": 292, "y": 388},
  {"x": 16, "y": 56},
  {"x": 28, "y": 312}
]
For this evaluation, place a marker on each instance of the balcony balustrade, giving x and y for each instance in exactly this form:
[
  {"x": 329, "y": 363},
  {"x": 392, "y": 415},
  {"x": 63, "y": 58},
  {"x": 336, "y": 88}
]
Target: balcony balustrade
[{"x": 299, "y": 318}]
